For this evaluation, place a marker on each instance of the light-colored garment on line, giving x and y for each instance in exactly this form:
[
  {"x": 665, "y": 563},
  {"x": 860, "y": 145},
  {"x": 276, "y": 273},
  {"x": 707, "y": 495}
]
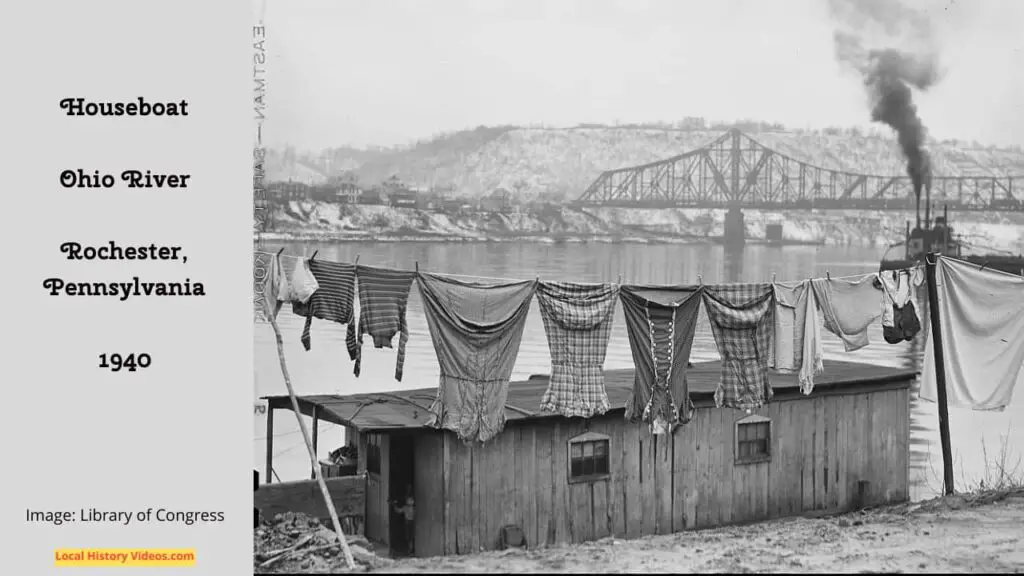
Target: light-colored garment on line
[
  {"x": 788, "y": 324},
  {"x": 917, "y": 277},
  {"x": 303, "y": 283},
  {"x": 798, "y": 346},
  {"x": 276, "y": 288},
  {"x": 848, "y": 307},
  {"x": 981, "y": 315}
]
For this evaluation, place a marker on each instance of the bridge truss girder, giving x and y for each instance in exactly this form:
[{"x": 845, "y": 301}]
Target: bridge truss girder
[{"x": 736, "y": 170}]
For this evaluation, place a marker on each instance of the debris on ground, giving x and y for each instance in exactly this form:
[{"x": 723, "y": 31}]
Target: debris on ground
[
  {"x": 299, "y": 543},
  {"x": 977, "y": 532}
]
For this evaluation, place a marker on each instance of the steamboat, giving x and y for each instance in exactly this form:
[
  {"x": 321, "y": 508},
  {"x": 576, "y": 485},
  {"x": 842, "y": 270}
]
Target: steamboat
[{"x": 938, "y": 236}]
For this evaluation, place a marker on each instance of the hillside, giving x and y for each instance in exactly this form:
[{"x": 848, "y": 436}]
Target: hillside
[{"x": 562, "y": 162}]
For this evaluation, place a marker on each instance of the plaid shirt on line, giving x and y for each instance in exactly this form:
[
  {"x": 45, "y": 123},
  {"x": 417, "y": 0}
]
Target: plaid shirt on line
[
  {"x": 383, "y": 299},
  {"x": 332, "y": 300},
  {"x": 578, "y": 322},
  {"x": 742, "y": 321}
]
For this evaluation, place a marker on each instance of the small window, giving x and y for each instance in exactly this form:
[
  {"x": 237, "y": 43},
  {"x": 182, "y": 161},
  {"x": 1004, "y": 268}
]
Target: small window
[
  {"x": 753, "y": 440},
  {"x": 588, "y": 458},
  {"x": 373, "y": 453}
]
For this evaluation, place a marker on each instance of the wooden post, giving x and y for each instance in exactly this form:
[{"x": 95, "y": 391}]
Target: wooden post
[
  {"x": 270, "y": 441},
  {"x": 931, "y": 261},
  {"x": 316, "y": 433},
  {"x": 309, "y": 447}
]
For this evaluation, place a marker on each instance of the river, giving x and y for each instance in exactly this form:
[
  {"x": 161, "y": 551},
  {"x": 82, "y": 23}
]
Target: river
[{"x": 982, "y": 442}]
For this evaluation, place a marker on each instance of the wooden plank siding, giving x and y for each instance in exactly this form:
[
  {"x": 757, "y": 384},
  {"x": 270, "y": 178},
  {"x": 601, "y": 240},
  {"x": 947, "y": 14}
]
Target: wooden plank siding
[{"x": 821, "y": 446}]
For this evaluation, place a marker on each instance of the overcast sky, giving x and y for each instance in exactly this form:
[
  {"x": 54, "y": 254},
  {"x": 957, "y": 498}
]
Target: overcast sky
[{"x": 385, "y": 72}]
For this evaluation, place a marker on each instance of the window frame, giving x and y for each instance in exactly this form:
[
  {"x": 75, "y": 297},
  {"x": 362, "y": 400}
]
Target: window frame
[
  {"x": 583, "y": 439},
  {"x": 373, "y": 452},
  {"x": 752, "y": 419}
]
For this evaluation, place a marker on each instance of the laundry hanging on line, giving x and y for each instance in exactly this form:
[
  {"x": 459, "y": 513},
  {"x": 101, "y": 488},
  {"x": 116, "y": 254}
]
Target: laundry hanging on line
[
  {"x": 798, "y": 344},
  {"x": 383, "y": 300},
  {"x": 899, "y": 316},
  {"x": 275, "y": 288},
  {"x": 476, "y": 329},
  {"x": 742, "y": 320},
  {"x": 981, "y": 318},
  {"x": 849, "y": 306},
  {"x": 577, "y": 321},
  {"x": 755, "y": 326},
  {"x": 660, "y": 324},
  {"x": 303, "y": 283},
  {"x": 332, "y": 300}
]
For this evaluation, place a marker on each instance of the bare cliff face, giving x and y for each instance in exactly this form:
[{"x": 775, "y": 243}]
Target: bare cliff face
[{"x": 834, "y": 227}]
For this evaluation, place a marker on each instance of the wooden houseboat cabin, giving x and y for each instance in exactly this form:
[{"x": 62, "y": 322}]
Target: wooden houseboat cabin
[{"x": 569, "y": 480}]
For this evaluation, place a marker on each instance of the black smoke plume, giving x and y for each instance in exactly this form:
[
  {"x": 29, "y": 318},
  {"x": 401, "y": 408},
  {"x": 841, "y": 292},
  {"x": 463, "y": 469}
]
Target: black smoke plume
[{"x": 889, "y": 75}]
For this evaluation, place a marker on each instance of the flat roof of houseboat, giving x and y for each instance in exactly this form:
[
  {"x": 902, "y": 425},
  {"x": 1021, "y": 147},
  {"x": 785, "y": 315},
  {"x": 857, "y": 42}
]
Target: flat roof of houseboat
[{"x": 409, "y": 409}]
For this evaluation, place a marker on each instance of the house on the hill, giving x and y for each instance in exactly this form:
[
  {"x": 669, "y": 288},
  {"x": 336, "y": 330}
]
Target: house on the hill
[
  {"x": 347, "y": 193},
  {"x": 456, "y": 206},
  {"x": 500, "y": 200},
  {"x": 323, "y": 193},
  {"x": 404, "y": 198},
  {"x": 400, "y": 195},
  {"x": 288, "y": 191},
  {"x": 570, "y": 480},
  {"x": 375, "y": 196}
]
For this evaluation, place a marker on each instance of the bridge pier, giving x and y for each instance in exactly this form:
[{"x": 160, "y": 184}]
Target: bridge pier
[{"x": 734, "y": 234}]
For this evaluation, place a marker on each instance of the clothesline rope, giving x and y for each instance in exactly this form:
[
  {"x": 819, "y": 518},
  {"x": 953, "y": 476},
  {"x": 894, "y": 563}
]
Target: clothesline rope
[{"x": 494, "y": 279}]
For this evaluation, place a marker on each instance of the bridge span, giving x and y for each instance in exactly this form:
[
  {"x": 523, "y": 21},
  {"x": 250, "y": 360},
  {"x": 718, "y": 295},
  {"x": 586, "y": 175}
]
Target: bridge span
[{"x": 736, "y": 171}]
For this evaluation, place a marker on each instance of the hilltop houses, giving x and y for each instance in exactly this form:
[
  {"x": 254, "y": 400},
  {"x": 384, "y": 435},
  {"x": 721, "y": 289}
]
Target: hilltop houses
[
  {"x": 500, "y": 200},
  {"x": 393, "y": 192}
]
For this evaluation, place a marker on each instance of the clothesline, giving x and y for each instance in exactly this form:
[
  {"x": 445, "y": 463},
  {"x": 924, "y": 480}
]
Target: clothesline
[
  {"x": 700, "y": 282},
  {"x": 477, "y": 329}
]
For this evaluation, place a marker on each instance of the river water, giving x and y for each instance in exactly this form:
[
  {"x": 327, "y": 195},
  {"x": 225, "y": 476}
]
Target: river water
[{"x": 982, "y": 442}]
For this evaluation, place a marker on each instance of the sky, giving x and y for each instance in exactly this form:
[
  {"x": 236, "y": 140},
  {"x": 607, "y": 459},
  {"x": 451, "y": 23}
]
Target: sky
[{"x": 388, "y": 72}]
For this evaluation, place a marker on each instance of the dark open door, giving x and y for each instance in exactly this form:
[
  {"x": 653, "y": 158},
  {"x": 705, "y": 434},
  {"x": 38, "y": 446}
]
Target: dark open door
[{"x": 400, "y": 487}]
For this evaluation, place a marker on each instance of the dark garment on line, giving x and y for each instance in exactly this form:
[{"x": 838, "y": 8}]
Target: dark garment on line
[
  {"x": 905, "y": 324},
  {"x": 660, "y": 323},
  {"x": 383, "y": 300},
  {"x": 332, "y": 301},
  {"x": 742, "y": 320},
  {"x": 476, "y": 329}
]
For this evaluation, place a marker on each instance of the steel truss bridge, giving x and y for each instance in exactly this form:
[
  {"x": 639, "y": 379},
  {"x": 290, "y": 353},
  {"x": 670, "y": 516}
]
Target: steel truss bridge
[{"x": 735, "y": 170}]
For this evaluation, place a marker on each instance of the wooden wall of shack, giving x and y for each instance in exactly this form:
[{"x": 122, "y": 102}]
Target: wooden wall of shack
[{"x": 821, "y": 446}]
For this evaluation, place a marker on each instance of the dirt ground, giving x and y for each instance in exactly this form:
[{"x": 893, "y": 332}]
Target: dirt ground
[{"x": 972, "y": 533}]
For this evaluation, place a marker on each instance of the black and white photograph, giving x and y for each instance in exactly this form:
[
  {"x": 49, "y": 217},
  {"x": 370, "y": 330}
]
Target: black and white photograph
[{"x": 638, "y": 286}]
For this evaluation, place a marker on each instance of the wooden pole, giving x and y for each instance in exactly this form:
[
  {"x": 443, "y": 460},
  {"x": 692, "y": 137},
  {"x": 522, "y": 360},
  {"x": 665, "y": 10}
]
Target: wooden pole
[
  {"x": 270, "y": 441},
  {"x": 931, "y": 261},
  {"x": 309, "y": 446},
  {"x": 316, "y": 434}
]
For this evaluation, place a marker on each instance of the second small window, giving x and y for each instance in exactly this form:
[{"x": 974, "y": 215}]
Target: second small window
[
  {"x": 753, "y": 440},
  {"x": 588, "y": 458}
]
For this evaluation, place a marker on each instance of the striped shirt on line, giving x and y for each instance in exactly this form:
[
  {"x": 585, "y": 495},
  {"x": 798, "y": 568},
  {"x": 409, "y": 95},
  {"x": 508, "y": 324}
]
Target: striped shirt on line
[
  {"x": 332, "y": 301},
  {"x": 383, "y": 301}
]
